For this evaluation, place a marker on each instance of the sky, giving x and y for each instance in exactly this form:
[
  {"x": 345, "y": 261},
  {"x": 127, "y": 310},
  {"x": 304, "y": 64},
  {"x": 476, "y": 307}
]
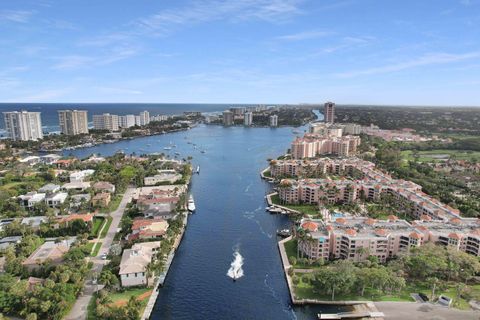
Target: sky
[{"x": 409, "y": 52}]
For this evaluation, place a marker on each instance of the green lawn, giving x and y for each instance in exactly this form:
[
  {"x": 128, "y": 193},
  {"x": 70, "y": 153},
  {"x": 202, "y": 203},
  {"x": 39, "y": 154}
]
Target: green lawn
[
  {"x": 97, "y": 249},
  {"x": 303, "y": 208},
  {"x": 97, "y": 223},
  {"x": 107, "y": 226},
  {"x": 439, "y": 155},
  {"x": 118, "y": 296},
  {"x": 306, "y": 291},
  {"x": 291, "y": 250}
]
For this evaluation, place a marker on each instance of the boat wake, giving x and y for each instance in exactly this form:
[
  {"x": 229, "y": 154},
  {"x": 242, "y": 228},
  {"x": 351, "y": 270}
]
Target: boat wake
[{"x": 235, "y": 272}]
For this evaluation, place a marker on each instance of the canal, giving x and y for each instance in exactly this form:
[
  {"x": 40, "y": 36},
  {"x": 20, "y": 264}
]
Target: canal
[{"x": 230, "y": 217}]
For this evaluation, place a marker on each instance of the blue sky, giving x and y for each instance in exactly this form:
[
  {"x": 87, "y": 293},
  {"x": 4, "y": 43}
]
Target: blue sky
[{"x": 416, "y": 52}]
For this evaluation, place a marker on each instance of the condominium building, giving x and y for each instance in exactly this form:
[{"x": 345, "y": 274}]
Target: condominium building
[
  {"x": 126, "y": 121},
  {"x": 73, "y": 122},
  {"x": 238, "y": 111},
  {"x": 105, "y": 121},
  {"x": 329, "y": 112},
  {"x": 23, "y": 125},
  {"x": 273, "y": 120},
  {"x": 159, "y": 117},
  {"x": 227, "y": 118},
  {"x": 248, "y": 118},
  {"x": 312, "y": 145},
  {"x": 357, "y": 238},
  {"x": 326, "y": 129},
  {"x": 144, "y": 118}
]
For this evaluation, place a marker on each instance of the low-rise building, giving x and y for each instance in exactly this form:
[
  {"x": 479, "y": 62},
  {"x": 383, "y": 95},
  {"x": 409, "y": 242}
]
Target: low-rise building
[
  {"x": 163, "y": 176},
  {"x": 29, "y": 200},
  {"x": 104, "y": 186},
  {"x": 49, "y": 251},
  {"x": 148, "y": 228},
  {"x": 55, "y": 200},
  {"x": 78, "y": 186},
  {"x": 49, "y": 188},
  {"x": 81, "y": 176},
  {"x": 101, "y": 199},
  {"x": 133, "y": 266}
]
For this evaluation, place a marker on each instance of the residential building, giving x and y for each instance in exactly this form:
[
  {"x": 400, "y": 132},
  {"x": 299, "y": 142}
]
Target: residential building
[
  {"x": 76, "y": 185},
  {"x": 55, "y": 200},
  {"x": 133, "y": 266},
  {"x": 144, "y": 118},
  {"x": 51, "y": 251},
  {"x": 352, "y": 128},
  {"x": 312, "y": 145},
  {"x": 49, "y": 188},
  {"x": 104, "y": 186},
  {"x": 31, "y": 160},
  {"x": 227, "y": 118},
  {"x": 101, "y": 200},
  {"x": 273, "y": 120},
  {"x": 148, "y": 229},
  {"x": 159, "y": 117},
  {"x": 23, "y": 125},
  {"x": 248, "y": 118},
  {"x": 105, "y": 121},
  {"x": 137, "y": 121},
  {"x": 77, "y": 200},
  {"x": 50, "y": 158},
  {"x": 126, "y": 121},
  {"x": 238, "y": 111},
  {"x": 329, "y": 112},
  {"x": 73, "y": 122},
  {"x": 29, "y": 200},
  {"x": 81, "y": 176}
]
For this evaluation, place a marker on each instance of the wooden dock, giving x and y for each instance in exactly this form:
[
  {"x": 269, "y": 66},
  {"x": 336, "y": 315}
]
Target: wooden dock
[{"x": 351, "y": 315}]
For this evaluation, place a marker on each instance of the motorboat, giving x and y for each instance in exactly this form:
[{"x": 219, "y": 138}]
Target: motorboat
[{"x": 191, "y": 204}]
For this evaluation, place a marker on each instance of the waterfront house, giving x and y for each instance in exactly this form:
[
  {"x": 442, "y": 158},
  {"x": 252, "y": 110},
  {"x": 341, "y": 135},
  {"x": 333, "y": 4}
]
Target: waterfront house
[
  {"x": 133, "y": 266},
  {"x": 148, "y": 229},
  {"x": 163, "y": 176}
]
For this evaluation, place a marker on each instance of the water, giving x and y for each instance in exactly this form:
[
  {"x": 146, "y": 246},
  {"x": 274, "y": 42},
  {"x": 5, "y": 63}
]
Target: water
[{"x": 230, "y": 217}]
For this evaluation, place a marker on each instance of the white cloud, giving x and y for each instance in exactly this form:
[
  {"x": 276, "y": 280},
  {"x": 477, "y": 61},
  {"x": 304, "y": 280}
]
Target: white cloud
[
  {"x": 19, "y": 16},
  {"x": 72, "y": 62},
  {"x": 305, "y": 35},
  {"x": 429, "y": 59}
]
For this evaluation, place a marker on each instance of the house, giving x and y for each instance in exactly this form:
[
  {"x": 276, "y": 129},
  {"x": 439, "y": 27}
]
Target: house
[
  {"x": 77, "y": 199},
  {"x": 101, "y": 199},
  {"x": 50, "y": 158},
  {"x": 49, "y": 188},
  {"x": 9, "y": 241},
  {"x": 104, "y": 186},
  {"x": 51, "y": 251},
  {"x": 87, "y": 218},
  {"x": 148, "y": 229},
  {"x": 30, "y": 160},
  {"x": 81, "y": 176},
  {"x": 64, "y": 163},
  {"x": 29, "y": 200},
  {"x": 56, "y": 200},
  {"x": 133, "y": 266},
  {"x": 160, "y": 210},
  {"x": 34, "y": 222},
  {"x": 78, "y": 186}
]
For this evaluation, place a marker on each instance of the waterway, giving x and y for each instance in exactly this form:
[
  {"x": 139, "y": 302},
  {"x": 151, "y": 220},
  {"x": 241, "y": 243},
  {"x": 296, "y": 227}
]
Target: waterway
[{"x": 230, "y": 216}]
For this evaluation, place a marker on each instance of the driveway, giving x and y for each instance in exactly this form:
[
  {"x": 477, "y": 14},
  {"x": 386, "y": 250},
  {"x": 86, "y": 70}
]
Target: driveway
[{"x": 79, "y": 310}]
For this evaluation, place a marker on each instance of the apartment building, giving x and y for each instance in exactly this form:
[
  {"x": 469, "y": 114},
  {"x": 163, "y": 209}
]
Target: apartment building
[
  {"x": 105, "y": 121},
  {"x": 144, "y": 118},
  {"x": 273, "y": 120},
  {"x": 227, "y": 118},
  {"x": 329, "y": 112},
  {"x": 312, "y": 145},
  {"x": 73, "y": 122},
  {"x": 248, "y": 118},
  {"x": 126, "y": 121},
  {"x": 23, "y": 125}
]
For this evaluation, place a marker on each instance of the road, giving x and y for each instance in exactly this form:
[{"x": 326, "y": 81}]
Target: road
[
  {"x": 79, "y": 310},
  {"x": 423, "y": 311}
]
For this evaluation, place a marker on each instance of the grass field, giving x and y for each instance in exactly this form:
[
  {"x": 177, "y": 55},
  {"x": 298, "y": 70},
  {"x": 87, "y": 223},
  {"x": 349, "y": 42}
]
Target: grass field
[
  {"x": 440, "y": 155},
  {"x": 107, "y": 226},
  {"x": 97, "y": 223},
  {"x": 120, "y": 299}
]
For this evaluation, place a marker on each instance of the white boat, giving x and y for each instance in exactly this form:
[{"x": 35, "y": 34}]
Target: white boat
[
  {"x": 198, "y": 170},
  {"x": 191, "y": 204},
  {"x": 167, "y": 148}
]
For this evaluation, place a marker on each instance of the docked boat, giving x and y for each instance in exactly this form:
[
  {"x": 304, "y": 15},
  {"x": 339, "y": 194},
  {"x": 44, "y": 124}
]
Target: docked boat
[
  {"x": 167, "y": 148},
  {"x": 191, "y": 204},
  {"x": 284, "y": 233}
]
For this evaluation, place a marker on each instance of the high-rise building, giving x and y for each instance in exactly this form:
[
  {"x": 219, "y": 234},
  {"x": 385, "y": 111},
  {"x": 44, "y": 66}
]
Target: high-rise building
[
  {"x": 329, "y": 112},
  {"x": 73, "y": 122},
  {"x": 105, "y": 121},
  {"x": 126, "y": 121},
  {"x": 238, "y": 111},
  {"x": 227, "y": 118},
  {"x": 274, "y": 120},
  {"x": 144, "y": 118},
  {"x": 23, "y": 125},
  {"x": 137, "y": 121},
  {"x": 248, "y": 118}
]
